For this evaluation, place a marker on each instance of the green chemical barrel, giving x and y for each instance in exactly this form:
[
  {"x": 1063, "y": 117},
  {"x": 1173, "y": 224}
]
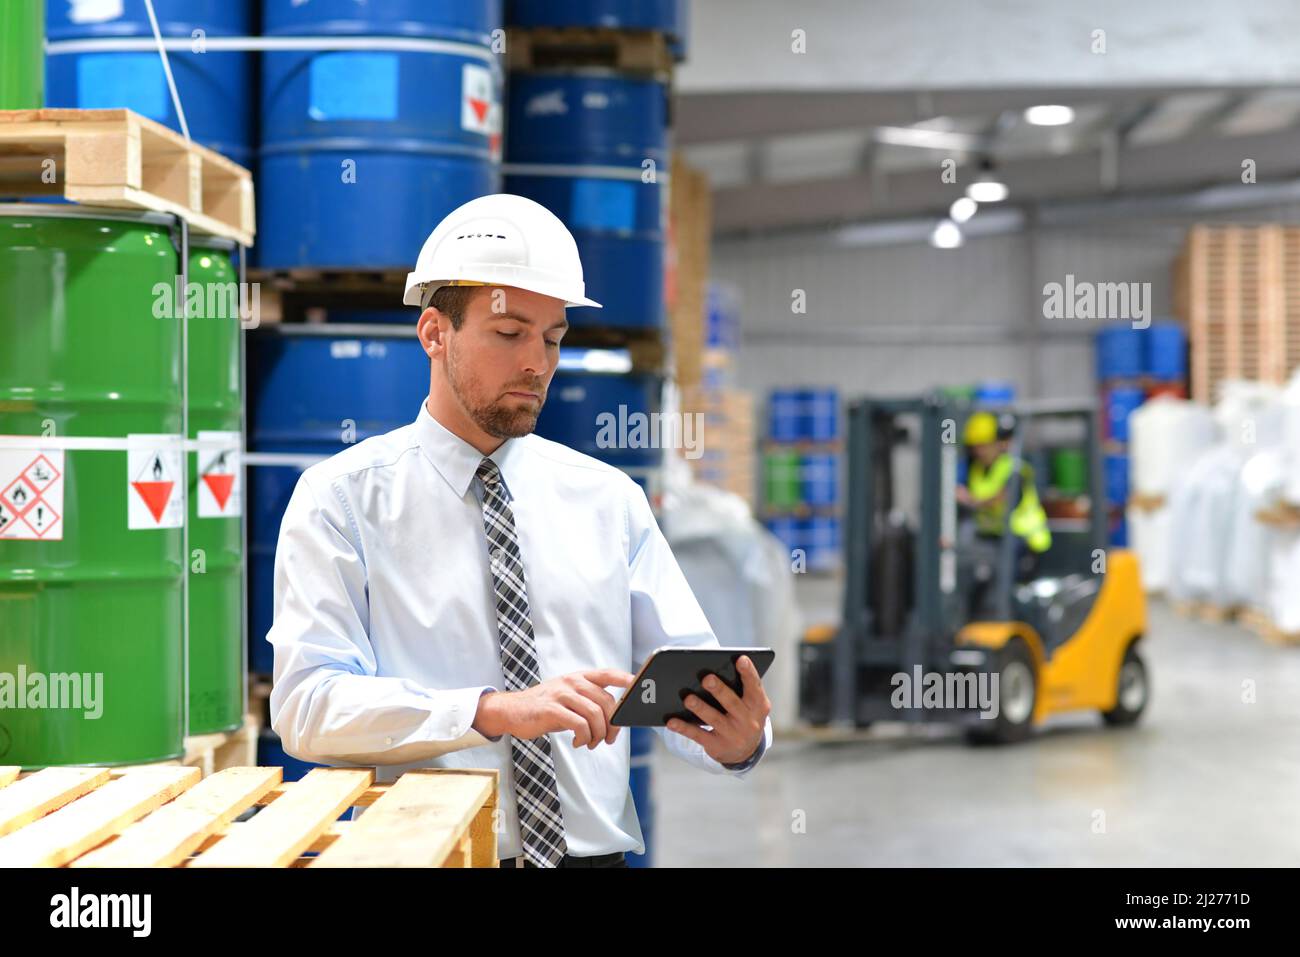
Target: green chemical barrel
[
  {"x": 781, "y": 475},
  {"x": 22, "y": 54},
  {"x": 91, "y": 609},
  {"x": 1069, "y": 471},
  {"x": 216, "y": 609}
]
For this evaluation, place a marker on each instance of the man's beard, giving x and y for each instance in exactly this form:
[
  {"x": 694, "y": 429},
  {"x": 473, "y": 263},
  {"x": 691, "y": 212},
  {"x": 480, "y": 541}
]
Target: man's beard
[{"x": 490, "y": 414}]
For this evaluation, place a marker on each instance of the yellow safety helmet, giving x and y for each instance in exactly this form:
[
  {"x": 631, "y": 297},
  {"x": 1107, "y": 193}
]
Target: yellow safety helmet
[{"x": 981, "y": 429}]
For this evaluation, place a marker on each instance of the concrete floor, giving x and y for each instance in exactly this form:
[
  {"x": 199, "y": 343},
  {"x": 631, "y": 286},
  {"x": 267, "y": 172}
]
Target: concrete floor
[{"x": 1204, "y": 779}]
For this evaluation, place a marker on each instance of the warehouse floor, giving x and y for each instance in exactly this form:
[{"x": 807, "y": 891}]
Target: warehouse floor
[{"x": 1205, "y": 779}]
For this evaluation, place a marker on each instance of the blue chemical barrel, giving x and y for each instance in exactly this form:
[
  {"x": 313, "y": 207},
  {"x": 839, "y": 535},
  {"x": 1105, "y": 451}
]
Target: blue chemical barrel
[
  {"x": 1166, "y": 353},
  {"x": 364, "y": 151},
  {"x": 1120, "y": 403},
  {"x": 592, "y": 148},
  {"x": 722, "y": 330},
  {"x": 822, "y": 535},
  {"x": 819, "y": 479},
  {"x": 313, "y": 391},
  {"x": 1121, "y": 352},
  {"x": 789, "y": 531},
  {"x": 658, "y": 16},
  {"x": 821, "y": 414},
  {"x": 1116, "y": 468},
  {"x": 215, "y": 88},
  {"x": 785, "y": 415},
  {"x": 1119, "y": 530},
  {"x": 994, "y": 393},
  {"x": 643, "y": 740},
  {"x": 605, "y": 415}
]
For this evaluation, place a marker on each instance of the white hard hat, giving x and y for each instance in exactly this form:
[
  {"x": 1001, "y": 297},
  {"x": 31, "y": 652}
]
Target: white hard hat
[{"x": 500, "y": 240}]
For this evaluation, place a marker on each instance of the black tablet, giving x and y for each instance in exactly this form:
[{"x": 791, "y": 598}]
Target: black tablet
[{"x": 670, "y": 674}]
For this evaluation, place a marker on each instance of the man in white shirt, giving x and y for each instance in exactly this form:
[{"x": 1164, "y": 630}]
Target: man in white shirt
[{"x": 422, "y": 571}]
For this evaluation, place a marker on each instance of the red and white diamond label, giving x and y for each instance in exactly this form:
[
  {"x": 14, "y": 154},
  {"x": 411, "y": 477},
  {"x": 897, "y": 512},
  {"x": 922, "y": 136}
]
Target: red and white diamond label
[
  {"x": 220, "y": 489},
  {"x": 477, "y": 97},
  {"x": 31, "y": 494},
  {"x": 154, "y": 490}
]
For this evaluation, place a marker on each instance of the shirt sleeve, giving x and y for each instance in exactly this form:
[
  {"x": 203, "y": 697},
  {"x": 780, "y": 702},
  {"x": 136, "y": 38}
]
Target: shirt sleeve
[
  {"x": 664, "y": 614},
  {"x": 327, "y": 703}
]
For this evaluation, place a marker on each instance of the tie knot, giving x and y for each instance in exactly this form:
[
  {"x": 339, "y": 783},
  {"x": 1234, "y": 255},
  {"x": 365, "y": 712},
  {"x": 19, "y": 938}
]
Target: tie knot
[{"x": 488, "y": 472}]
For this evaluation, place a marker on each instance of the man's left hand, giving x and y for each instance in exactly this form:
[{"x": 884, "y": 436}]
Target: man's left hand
[{"x": 739, "y": 727}]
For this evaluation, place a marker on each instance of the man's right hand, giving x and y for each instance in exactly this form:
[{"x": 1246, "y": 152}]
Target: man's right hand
[{"x": 576, "y": 702}]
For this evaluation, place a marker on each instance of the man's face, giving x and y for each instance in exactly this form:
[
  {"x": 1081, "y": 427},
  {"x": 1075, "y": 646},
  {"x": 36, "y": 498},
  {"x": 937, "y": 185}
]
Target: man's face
[
  {"x": 501, "y": 360},
  {"x": 986, "y": 453}
]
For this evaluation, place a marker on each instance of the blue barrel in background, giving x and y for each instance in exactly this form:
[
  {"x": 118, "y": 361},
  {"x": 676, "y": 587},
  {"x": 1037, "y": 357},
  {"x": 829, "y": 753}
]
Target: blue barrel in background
[
  {"x": 584, "y": 145},
  {"x": 1116, "y": 476},
  {"x": 785, "y": 415},
  {"x": 307, "y": 385},
  {"x": 1121, "y": 352},
  {"x": 789, "y": 531},
  {"x": 822, "y": 535},
  {"x": 215, "y": 87},
  {"x": 1121, "y": 402},
  {"x": 271, "y": 754},
  {"x": 597, "y": 413},
  {"x": 994, "y": 393},
  {"x": 722, "y": 326},
  {"x": 643, "y": 740},
  {"x": 821, "y": 415},
  {"x": 365, "y": 151},
  {"x": 657, "y": 16},
  {"x": 819, "y": 479},
  {"x": 1166, "y": 352}
]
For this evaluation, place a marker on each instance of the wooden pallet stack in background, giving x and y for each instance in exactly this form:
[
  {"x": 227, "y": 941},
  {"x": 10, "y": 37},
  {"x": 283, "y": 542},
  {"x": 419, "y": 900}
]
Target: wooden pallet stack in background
[
  {"x": 1238, "y": 290},
  {"x": 725, "y": 456}
]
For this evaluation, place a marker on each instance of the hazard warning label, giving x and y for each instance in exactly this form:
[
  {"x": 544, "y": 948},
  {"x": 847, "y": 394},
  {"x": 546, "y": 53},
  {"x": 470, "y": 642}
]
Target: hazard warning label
[
  {"x": 31, "y": 494},
  {"x": 477, "y": 99},
  {"x": 220, "y": 493},
  {"x": 154, "y": 489}
]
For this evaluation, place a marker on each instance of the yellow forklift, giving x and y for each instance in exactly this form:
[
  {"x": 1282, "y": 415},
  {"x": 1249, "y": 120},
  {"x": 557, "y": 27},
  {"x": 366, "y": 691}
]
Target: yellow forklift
[{"x": 937, "y": 627}]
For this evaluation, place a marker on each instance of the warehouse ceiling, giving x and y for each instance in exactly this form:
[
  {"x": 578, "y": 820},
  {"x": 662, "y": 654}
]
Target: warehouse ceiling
[
  {"x": 832, "y": 111},
  {"x": 782, "y": 160}
]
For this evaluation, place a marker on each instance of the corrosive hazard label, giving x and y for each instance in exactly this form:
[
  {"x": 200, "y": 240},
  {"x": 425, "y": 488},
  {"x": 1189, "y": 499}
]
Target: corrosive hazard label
[
  {"x": 154, "y": 488},
  {"x": 31, "y": 494},
  {"x": 480, "y": 107},
  {"x": 220, "y": 493}
]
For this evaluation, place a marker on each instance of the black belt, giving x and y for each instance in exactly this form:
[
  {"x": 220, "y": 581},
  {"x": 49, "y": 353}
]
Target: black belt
[{"x": 598, "y": 860}]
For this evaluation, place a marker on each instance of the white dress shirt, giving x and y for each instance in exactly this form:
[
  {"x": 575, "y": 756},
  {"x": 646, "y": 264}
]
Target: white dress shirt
[{"x": 385, "y": 629}]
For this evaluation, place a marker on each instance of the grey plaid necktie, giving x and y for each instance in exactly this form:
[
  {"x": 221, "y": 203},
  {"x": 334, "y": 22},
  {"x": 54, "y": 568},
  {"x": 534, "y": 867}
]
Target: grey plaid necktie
[{"x": 538, "y": 798}]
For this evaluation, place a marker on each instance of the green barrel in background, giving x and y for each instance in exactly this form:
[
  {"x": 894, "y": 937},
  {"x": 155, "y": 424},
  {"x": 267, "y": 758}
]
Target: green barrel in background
[
  {"x": 781, "y": 479},
  {"x": 90, "y": 359},
  {"x": 216, "y": 606},
  {"x": 22, "y": 54},
  {"x": 1069, "y": 471}
]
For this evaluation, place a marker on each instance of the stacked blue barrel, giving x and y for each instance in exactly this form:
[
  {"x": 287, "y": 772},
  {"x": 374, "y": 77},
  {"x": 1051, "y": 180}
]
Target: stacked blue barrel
[
  {"x": 1133, "y": 364},
  {"x": 587, "y": 137},
  {"x": 801, "y": 471},
  {"x": 377, "y": 121},
  {"x": 104, "y": 56}
]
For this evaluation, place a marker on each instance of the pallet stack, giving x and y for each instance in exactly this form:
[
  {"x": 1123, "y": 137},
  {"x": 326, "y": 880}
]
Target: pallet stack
[
  {"x": 1238, "y": 290},
  {"x": 802, "y": 462}
]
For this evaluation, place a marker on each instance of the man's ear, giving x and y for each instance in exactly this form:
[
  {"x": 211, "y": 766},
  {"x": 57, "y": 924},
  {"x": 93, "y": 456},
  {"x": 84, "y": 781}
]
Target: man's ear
[{"x": 432, "y": 329}]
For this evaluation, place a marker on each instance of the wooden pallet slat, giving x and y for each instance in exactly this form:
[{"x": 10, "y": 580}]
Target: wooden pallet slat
[
  {"x": 629, "y": 51},
  {"x": 424, "y": 818},
  {"x": 8, "y": 774},
  {"x": 75, "y": 828},
  {"x": 282, "y": 831},
  {"x": 43, "y": 792},
  {"x": 169, "y": 835}
]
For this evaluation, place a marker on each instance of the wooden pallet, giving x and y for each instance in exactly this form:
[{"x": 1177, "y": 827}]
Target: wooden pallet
[
  {"x": 1279, "y": 515},
  {"x": 120, "y": 159},
  {"x": 1146, "y": 503},
  {"x": 630, "y": 51},
  {"x": 1205, "y": 611},
  {"x": 161, "y": 816},
  {"x": 1259, "y": 622}
]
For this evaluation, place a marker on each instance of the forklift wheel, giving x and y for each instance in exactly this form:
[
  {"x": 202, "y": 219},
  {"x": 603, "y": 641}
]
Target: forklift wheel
[
  {"x": 1017, "y": 695},
  {"x": 1134, "y": 690}
]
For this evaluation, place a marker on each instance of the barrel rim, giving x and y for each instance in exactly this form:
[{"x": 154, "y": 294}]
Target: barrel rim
[{"x": 41, "y": 210}]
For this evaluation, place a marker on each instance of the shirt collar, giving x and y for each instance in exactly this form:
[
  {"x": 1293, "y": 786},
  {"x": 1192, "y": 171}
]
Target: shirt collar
[{"x": 456, "y": 460}]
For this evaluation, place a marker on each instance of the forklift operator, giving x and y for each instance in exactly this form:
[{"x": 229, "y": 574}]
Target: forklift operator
[{"x": 987, "y": 438}]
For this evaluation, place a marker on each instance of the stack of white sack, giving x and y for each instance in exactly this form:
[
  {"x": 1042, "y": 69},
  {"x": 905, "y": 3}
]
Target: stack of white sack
[
  {"x": 741, "y": 576},
  {"x": 1284, "y": 552},
  {"x": 1166, "y": 435},
  {"x": 1212, "y": 513}
]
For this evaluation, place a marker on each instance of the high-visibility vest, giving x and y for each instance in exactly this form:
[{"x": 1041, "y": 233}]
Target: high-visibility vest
[{"x": 1028, "y": 520}]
